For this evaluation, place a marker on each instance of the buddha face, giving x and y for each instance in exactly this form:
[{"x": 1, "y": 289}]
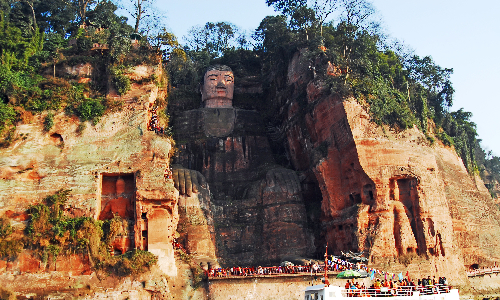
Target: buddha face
[{"x": 218, "y": 85}]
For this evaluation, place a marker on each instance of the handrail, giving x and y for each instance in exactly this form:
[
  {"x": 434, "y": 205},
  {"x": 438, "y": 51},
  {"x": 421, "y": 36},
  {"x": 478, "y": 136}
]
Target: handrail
[
  {"x": 483, "y": 271},
  {"x": 398, "y": 291}
]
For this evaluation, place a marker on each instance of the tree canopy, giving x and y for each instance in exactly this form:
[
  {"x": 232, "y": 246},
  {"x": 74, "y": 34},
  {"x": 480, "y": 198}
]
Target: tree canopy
[{"x": 397, "y": 88}]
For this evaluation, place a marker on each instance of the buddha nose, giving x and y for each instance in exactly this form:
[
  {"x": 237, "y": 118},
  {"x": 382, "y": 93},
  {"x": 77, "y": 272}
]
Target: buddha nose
[{"x": 221, "y": 84}]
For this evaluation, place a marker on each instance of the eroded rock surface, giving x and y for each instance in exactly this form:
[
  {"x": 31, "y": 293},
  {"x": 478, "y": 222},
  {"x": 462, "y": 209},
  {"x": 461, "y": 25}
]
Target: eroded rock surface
[
  {"x": 392, "y": 195},
  {"x": 115, "y": 167}
]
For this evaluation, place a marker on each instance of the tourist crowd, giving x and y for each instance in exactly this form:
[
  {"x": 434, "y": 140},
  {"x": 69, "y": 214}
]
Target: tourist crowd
[
  {"x": 153, "y": 124},
  {"x": 334, "y": 265},
  {"x": 277, "y": 270},
  {"x": 380, "y": 287},
  {"x": 404, "y": 287}
]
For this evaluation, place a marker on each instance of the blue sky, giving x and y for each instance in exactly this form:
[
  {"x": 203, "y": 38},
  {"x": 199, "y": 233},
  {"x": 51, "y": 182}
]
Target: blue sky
[{"x": 458, "y": 34}]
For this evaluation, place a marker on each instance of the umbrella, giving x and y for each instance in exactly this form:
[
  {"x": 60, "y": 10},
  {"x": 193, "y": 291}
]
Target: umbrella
[
  {"x": 348, "y": 274},
  {"x": 362, "y": 273}
]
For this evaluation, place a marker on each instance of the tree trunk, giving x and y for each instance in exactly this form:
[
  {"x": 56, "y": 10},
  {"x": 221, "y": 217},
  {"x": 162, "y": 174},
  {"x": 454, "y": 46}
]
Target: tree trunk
[
  {"x": 33, "y": 12},
  {"x": 138, "y": 15}
]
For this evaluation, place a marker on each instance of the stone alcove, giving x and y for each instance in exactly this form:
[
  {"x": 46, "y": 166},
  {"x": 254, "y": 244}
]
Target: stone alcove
[
  {"x": 118, "y": 198},
  {"x": 407, "y": 232}
]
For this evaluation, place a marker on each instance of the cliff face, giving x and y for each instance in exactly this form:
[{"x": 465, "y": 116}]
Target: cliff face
[
  {"x": 406, "y": 203},
  {"x": 391, "y": 195},
  {"x": 400, "y": 199},
  {"x": 113, "y": 167}
]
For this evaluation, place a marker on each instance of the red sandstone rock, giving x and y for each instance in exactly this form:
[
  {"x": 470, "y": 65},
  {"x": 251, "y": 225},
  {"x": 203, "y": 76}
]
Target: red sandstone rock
[
  {"x": 391, "y": 195},
  {"x": 115, "y": 167}
]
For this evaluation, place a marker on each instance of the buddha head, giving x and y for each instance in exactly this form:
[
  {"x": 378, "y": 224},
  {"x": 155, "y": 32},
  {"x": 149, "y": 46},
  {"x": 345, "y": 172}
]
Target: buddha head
[{"x": 218, "y": 87}]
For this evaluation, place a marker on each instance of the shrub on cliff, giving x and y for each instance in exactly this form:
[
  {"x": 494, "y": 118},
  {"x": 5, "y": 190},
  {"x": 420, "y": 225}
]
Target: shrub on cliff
[
  {"x": 91, "y": 109},
  {"x": 48, "y": 122},
  {"x": 6, "y": 294},
  {"x": 50, "y": 233},
  {"x": 7, "y": 116},
  {"x": 9, "y": 245},
  {"x": 121, "y": 83},
  {"x": 132, "y": 262}
]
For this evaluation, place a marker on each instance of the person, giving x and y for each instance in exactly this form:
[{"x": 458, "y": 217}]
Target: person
[
  {"x": 386, "y": 283},
  {"x": 354, "y": 290}
]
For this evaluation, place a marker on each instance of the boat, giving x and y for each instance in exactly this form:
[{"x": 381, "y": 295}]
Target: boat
[{"x": 330, "y": 292}]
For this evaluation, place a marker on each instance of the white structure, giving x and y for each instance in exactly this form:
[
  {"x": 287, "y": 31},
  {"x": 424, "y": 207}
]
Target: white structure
[{"x": 437, "y": 292}]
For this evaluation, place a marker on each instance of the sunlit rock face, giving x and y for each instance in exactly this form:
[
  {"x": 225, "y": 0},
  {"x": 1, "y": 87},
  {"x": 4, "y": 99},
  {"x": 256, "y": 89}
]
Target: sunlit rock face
[
  {"x": 257, "y": 206},
  {"x": 113, "y": 168},
  {"x": 389, "y": 194}
]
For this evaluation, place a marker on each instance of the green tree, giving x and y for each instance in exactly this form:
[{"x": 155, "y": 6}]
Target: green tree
[
  {"x": 272, "y": 33},
  {"x": 20, "y": 16},
  {"x": 463, "y": 133},
  {"x": 56, "y": 16},
  {"x": 322, "y": 8},
  {"x": 81, "y": 7},
  {"x": 117, "y": 31},
  {"x": 436, "y": 83},
  {"x": 168, "y": 43},
  {"x": 303, "y": 18},
  {"x": 15, "y": 47},
  {"x": 213, "y": 38},
  {"x": 359, "y": 13}
]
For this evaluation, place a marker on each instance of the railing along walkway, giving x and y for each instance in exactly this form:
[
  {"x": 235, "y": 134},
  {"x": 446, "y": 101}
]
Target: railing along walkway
[
  {"x": 398, "y": 291},
  {"x": 484, "y": 271},
  {"x": 268, "y": 272}
]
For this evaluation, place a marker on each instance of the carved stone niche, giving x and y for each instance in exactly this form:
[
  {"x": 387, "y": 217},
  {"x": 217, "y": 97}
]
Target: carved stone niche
[
  {"x": 118, "y": 198},
  {"x": 408, "y": 230}
]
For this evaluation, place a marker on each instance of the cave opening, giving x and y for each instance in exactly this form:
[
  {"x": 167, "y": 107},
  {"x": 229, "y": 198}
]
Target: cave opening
[
  {"x": 355, "y": 198},
  {"x": 144, "y": 240},
  {"x": 369, "y": 198}
]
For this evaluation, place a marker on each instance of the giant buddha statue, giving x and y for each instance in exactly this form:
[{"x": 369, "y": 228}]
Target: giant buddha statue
[{"x": 257, "y": 207}]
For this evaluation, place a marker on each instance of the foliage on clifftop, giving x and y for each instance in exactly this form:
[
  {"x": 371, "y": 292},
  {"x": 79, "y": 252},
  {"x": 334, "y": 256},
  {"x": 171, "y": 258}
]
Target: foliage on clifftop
[
  {"x": 51, "y": 233},
  {"x": 397, "y": 88},
  {"x": 40, "y": 40}
]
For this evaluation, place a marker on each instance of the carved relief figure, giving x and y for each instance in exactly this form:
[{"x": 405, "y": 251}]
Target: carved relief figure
[{"x": 257, "y": 204}]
